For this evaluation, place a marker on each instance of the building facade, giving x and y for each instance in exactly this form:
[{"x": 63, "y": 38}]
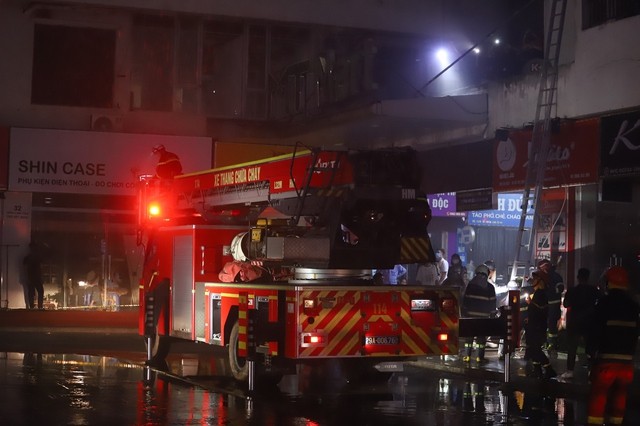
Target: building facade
[{"x": 97, "y": 83}]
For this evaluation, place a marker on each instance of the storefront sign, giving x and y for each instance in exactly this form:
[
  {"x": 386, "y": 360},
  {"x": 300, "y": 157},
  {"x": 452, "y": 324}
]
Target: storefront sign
[
  {"x": 571, "y": 158},
  {"x": 482, "y": 199},
  {"x": 620, "y": 145},
  {"x": 81, "y": 162},
  {"x": 443, "y": 204},
  {"x": 507, "y": 214}
]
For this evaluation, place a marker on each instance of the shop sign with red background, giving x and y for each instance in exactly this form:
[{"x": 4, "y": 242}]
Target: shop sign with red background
[{"x": 573, "y": 156}]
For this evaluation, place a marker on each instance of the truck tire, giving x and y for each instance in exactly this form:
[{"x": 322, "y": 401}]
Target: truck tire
[
  {"x": 238, "y": 364},
  {"x": 160, "y": 347},
  {"x": 240, "y": 367}
]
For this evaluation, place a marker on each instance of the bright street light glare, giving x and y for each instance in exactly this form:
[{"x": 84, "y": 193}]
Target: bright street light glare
[
  {"x": 476, "y": 50},
  {"x": 442, "y": 55}
]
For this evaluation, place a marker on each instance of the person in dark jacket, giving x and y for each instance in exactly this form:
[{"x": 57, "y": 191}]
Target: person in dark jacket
[
  {"x": 33, "y": 271},
  {"x": 580, "y": 302},
  {"x": 479, "y": 301},
  {"x": 457, "y": 275},
  {"x": 536, "y": 328},
  {"x": 554, "y": 289},
  {"x": 615, "y": 335},
  {"x": 526, "y": 291},
  {"x": 168, "y": 165}
]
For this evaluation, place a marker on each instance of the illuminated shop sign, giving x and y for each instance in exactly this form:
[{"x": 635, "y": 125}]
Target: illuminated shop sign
[
  {"x": 443, "y": 204},
  {"x": 507, "y": 214},
  {"x": 571, "y": 159},
  {"x": 79, "y": 162}
]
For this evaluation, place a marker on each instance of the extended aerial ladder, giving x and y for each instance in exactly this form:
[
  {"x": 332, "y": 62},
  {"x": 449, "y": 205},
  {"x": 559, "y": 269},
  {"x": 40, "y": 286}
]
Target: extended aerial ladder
[
  {"x": 308, "y": 204},
  {"x": 541, "y": 138}
]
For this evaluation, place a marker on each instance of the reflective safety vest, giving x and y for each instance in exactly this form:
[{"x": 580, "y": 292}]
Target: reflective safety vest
[
  {"x": 479, "y": 299},
  {"x": 616, "y": 326}
]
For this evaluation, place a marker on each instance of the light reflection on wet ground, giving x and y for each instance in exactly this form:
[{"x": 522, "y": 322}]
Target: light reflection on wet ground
[{"x": 94, "y": 390}]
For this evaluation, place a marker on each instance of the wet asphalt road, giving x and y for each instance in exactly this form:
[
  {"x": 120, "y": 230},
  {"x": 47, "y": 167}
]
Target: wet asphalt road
[
  {"x": 59, "y": 389},
  {"x": 81, "y": 378}
]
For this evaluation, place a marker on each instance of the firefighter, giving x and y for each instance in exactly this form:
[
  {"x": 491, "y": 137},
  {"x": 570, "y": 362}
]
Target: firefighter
[
  {"x": 580, "y": 302},
  {"x": 554, "y": 288},
  {"x": 168, "y": 165},
  {"x": 526, "y": 291},
  {"x": 479, "y": 301},
  {"x": 536, "y": 328},
  {"x": 501, "y": 300},
  {"x": 615, "y": 335}
]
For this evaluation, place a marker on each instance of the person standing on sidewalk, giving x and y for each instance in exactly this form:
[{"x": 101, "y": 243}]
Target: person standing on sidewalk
[
  {"x": 443, "y": 265},
  {"x": 615, "y": 334},
  {"x": 427, "y": 274},
  {"x": 392, "y": 276},
  {"x": 479, "y": 301},
  {"x": 33, "y": 270},
  {"x": 580, "y": 302},
  {"x": 536, "y": 328},
  {"x": 457, "y": 274}
]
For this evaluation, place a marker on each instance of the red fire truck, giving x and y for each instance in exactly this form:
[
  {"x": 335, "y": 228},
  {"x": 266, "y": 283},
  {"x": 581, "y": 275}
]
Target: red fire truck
[{"x": 273, "y": 259}]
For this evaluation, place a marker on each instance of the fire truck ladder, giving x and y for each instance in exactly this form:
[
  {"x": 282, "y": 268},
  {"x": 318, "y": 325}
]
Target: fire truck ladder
[{"x": 541, "y": 137}]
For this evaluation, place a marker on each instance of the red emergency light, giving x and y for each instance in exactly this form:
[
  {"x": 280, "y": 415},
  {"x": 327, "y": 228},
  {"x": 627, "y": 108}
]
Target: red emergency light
[
  {"x": 318, "y": 339},
  {"x": 314, "y": 339},
  {"x": 154, "y": 210}
]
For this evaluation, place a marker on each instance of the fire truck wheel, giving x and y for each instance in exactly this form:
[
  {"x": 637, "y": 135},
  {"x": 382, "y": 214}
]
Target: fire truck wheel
[{"x": 238, "y": 364}]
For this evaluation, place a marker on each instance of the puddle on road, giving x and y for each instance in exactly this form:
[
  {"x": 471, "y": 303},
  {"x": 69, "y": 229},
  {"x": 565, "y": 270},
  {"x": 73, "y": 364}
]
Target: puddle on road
[{"x": 87, "y": 390}]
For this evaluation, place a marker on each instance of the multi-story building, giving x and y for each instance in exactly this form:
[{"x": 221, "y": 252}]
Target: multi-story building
[
  {"x": 589, "y": 214},
  {"x": 90, "y": 86}
]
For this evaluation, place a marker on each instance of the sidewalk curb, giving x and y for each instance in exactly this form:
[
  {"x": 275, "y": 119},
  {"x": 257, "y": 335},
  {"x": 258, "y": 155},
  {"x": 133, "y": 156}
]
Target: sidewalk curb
[
  {"x": 54, "y": 330},
  {"x": 579, "y": 387}
]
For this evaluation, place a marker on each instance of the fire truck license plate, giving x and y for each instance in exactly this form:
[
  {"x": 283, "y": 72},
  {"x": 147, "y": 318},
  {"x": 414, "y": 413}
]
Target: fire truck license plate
[{"x": 382, "y": 340}]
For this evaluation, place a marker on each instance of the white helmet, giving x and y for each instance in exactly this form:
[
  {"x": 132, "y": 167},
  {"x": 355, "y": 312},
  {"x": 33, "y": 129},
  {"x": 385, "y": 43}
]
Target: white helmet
[{"x": 482, "y": 269}]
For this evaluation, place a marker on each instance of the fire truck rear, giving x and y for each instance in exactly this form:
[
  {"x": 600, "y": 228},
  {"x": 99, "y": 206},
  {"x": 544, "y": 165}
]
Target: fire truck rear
[{"x": 273, "y": 260}]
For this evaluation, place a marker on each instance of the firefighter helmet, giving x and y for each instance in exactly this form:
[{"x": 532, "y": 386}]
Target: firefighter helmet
[
  {"x": 158, "y": 148},
  {"x": 491, "y": 265},
  {"x": 617, "y": 277},
  {"x": 544, "y": 265},
  {"x": 540, "y": 277},
  {"x": 482, "y": 269}
]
